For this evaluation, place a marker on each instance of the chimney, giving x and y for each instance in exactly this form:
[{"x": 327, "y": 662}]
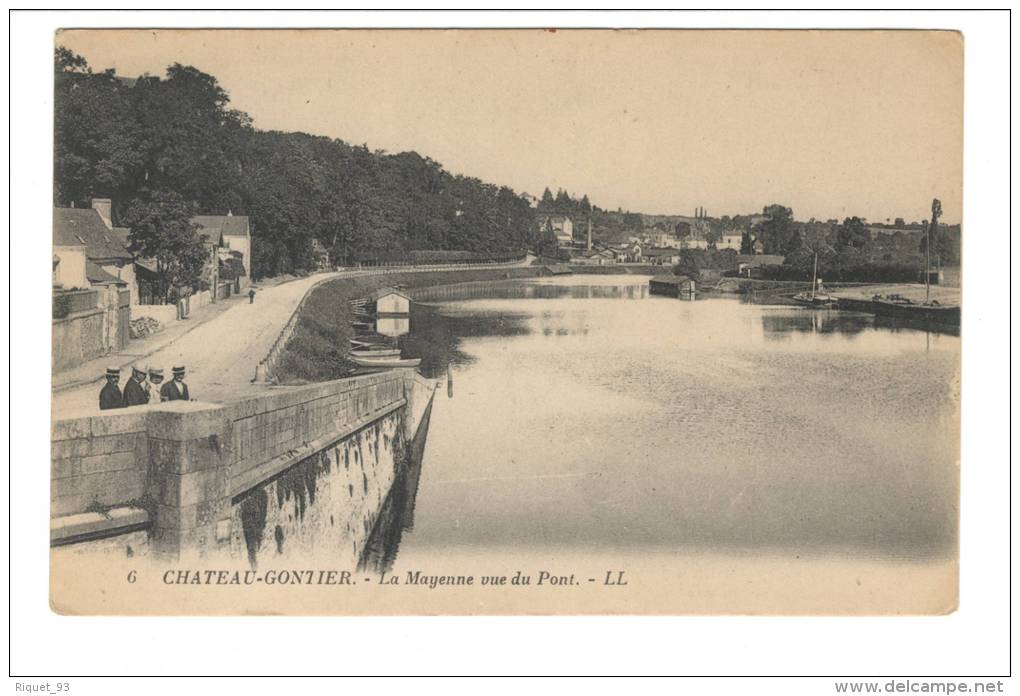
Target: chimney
[{"x": 104, "y": 206}]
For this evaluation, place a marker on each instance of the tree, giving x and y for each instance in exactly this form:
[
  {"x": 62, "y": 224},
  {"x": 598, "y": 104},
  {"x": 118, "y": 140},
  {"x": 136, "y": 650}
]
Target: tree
[
  {"x": 66, "y": 60},
  {"x": 161, "y": 229},
  {"x": 125, "y": 139},
  {"x": 898, "y": 222},
  {"x": 97, "y": 148},
  {"x": 853, "y": 233},
  {"x": 944, "y": 249},
  {"x": 778, "y": 233},
  {"x": 746, "y": 242},
  {"x": 546, "y": 243}
]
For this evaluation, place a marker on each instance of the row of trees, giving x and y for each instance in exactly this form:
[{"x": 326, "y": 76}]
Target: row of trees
[
  {"x": 848, "y": 250},
  {"x": 166, "y": 148}
]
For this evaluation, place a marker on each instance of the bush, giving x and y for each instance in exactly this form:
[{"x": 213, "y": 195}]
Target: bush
[
  {"x": 694, "y": 261},
  {"x": 61, "y": 306}
]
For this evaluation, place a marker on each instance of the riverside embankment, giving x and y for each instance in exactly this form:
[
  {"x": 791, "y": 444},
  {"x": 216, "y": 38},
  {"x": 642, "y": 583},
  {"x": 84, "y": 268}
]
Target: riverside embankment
[{"x": 317, "y": 347}]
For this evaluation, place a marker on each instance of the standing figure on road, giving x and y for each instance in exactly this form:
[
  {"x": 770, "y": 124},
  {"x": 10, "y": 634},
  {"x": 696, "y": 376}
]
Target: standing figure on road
[
  {"x": 154, "y": 384},
  {"x": 175, "y": 389},
  {"x": 251, "y": 296},
  {"x": 135, "y": 393},
  {"x": 110, "y": 396}
]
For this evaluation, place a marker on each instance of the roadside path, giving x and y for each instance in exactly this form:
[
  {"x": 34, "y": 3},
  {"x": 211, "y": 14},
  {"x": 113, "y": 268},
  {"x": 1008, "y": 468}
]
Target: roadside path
[{"x": 221, "y": 352}]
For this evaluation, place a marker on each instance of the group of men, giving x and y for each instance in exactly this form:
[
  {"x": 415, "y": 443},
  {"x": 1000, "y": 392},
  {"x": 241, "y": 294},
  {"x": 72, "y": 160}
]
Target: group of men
[{"x": 143, "y": 387}]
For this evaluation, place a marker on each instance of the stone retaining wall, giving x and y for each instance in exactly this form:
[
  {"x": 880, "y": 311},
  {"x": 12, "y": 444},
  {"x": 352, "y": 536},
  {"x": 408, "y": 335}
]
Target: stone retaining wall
[{"x": 188, "y": 467}]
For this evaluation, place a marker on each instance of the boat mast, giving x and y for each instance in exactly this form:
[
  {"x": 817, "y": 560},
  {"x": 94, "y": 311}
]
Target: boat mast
[
  {"x": 936, "y": 210},
  {"x": 814, "y": 277}
]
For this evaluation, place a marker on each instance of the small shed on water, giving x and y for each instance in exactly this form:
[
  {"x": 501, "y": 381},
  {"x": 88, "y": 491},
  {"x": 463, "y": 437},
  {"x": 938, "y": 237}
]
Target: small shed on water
[
  {"x": 390, "y": 301},
  {"x": 673, "y": 286}
]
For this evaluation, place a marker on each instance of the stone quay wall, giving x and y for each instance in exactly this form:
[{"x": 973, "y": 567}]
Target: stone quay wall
[{"x": 183, "y": 471}]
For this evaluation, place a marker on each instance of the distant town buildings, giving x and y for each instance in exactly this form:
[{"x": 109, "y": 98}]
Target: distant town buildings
[
  {"x": 562, "y": 226},
  {"x": 661, "y": 256},
  {"x": 228, "y": 233}
]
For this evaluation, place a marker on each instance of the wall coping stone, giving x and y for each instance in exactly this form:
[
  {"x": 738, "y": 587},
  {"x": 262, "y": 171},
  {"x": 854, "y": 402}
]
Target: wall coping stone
[
  {"x": 118, "y": 520},
  {"x": 267, "y": 470}
]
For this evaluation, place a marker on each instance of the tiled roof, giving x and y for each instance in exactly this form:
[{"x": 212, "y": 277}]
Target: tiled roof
[
  {"x": 383, "y": 292},
  {"x": 97, "y": 276},
  {"x": 83, "y": 226},
  {"x": 215, "y": 226}
]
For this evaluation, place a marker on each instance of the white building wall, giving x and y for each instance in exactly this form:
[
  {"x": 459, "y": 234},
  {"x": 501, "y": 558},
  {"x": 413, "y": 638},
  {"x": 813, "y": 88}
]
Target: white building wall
[
  {"x": 393, "y": 304},
  {"x": 70, "y": 272}
]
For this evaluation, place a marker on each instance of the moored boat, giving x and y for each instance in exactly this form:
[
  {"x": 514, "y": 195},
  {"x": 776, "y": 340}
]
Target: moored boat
[
  {"x": 817, "y": 297},
  {"x": 386, "y": 363},
  {"x": 811, "y": 299},
  {"x": 379, "y": 354}
]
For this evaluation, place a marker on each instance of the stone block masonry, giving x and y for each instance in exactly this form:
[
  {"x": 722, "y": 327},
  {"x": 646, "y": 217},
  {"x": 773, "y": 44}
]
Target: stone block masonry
[{"x": 193, "y": 474}]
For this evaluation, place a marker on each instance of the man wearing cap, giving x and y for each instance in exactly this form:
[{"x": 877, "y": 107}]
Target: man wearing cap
[
  {"x": 154, "y": 383},
  {"x": 109, "y": 396},
  {"x": 175, "y": 389},
  {"x": 135, "y": 393}
]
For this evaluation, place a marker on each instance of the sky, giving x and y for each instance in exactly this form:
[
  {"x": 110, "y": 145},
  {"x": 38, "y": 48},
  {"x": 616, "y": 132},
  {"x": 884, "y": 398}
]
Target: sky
[{"x": 829, "y": 123}]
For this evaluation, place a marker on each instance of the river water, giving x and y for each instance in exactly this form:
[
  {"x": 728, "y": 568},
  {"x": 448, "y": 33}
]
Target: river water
[{"x": 585, "y": 418}]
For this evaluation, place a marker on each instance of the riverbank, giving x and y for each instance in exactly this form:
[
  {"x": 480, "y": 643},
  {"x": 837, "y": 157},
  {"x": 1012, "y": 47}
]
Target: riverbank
[{"x": 317, "y": 350}]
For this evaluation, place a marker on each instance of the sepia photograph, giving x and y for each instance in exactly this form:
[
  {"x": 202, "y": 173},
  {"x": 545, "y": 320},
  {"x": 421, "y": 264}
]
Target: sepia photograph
[
  {"x": 521, "y": 321},
  {"x": 473, "y": 346}
]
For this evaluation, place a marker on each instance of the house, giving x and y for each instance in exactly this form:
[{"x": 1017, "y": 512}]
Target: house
[
  {"x": 621, "y": 252},
  {"x": 320, "y": 254},
  {"x": 89, "y": 232},
  {"x": 661, "y": 239},
  {"x": 69, "y": 262},
  {"x": 390, "y": 301},
  {"x": 730, "y": 240},
  {"x": 93, "y": 285},
  {"x": 661, "y": 256},
  {"x": 561, "y": 226},
  {"x": 228, "y": 233},
  {"x": 595, "y": 257}
]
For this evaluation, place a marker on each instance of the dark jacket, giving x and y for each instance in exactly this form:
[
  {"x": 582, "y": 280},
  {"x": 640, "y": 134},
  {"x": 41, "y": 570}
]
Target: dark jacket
[
  {"x": 110, "y": 397},
  {"x": 169, "y": 392},
  {"x": 135, "y": 394}
]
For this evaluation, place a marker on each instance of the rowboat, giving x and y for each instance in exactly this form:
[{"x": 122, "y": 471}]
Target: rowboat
[
  {"x": 386, "y": 363},
  {"x": 371, "y": 354}
]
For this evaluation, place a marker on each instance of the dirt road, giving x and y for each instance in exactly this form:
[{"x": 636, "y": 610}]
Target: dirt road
[{"x": 220, "y": 355}]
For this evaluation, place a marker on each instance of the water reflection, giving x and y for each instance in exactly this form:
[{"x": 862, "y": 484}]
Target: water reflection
[
  {"x": 436, "y": 335},
  {"x": 533, "y": 290},
  {"x": 779, "y": 325},
  {"x": 393, "y": 326},
  {"x": 674, "y": 426},
  {"x": 397, "y": 514}
]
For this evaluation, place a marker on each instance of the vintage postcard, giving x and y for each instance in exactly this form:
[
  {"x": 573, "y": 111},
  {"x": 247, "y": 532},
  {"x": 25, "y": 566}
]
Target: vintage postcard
[{"x": 506, "y": 321}]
